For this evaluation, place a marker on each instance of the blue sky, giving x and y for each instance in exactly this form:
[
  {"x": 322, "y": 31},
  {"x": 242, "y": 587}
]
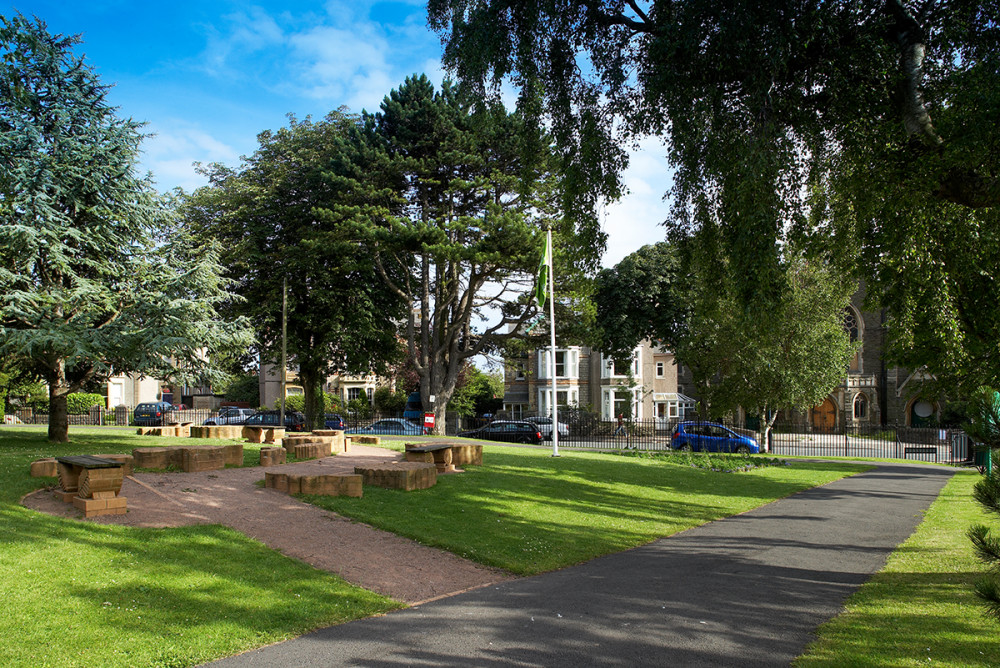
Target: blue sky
[{"x": 208, "y": 76}]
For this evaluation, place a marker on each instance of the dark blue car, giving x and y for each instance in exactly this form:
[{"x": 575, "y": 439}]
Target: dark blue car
[
  {"x": 711, "y": 437},
  {"x": 152, "y": 414}
]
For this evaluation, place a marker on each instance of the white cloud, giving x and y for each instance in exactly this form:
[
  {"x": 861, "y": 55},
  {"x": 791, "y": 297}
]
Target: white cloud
[
  {"x": 170, "y": 155},
  {"x": 247, "y": 31},
  {"x": 634, "y": 220}
]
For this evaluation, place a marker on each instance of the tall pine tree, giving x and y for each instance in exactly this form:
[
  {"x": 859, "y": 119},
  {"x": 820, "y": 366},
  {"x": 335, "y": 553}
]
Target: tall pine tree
[{"x": 96, "y": 277}]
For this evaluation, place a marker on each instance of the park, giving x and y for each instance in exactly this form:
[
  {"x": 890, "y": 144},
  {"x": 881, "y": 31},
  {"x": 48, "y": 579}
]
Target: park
[{"x": 826, "y": 254}]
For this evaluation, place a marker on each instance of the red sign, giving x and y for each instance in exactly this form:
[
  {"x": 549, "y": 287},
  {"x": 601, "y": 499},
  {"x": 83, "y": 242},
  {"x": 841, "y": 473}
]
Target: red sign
[{"x": 429, "y": 420}]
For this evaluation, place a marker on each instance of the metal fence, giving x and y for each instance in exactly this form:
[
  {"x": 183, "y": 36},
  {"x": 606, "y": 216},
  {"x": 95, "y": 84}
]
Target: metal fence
[
  {"x": 887, "y": 442},
  {"x": 588, "y": 431}
]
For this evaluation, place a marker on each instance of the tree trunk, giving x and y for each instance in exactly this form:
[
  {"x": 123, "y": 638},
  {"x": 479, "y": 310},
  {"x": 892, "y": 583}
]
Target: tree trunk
[
  {"x": 312, "y": 388},
  {"x": 58, "y": 415},
  {"x": 766, "y": 434}
]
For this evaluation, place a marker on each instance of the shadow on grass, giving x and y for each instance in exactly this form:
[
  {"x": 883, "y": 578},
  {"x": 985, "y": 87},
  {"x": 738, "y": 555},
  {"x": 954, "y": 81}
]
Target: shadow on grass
[
  {"x": 528, "y": 512},
  {"x": 941, "y": 624},
  {"x": 177, "y": 596}
]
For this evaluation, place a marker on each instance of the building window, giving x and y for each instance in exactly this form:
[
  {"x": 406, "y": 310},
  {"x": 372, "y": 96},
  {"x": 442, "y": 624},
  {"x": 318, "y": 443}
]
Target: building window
[
  {"x": 567, "y": 363},
  {"x": 659, "y": 369},
  {"x": 620, "y": 401},
  {"x": 611, "y": 370},
  {"x": 861, "y": 407},
  {"x": 566, "y": 398},
  {"x": 354, "y": 393},
  {"x": 293, "y": 391},
  {"x": 852, "y": 324},
  {"x": 519, "y": 371}
]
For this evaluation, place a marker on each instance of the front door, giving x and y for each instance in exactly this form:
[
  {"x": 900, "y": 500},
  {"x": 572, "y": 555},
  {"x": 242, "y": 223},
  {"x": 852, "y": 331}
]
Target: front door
[{"x": 824, "y": 416}]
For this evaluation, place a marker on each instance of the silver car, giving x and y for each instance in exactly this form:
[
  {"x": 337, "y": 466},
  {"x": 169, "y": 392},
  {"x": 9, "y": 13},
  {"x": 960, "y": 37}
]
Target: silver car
[
  {"x": 544, "y": 425},
  {"x": 230, "y": 415}
]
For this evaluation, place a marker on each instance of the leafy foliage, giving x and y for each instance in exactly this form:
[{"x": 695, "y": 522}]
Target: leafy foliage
[
  {"x": 96, "y": 276},
  {"x": 644, "y": 297},
  {"x": 272, "y": 215},
  {"x": 866, "y": 130},
  {"x": 984, "y": 427},
  {"x": 454, "y": 207},
  {"x": 764, "y": 360}
]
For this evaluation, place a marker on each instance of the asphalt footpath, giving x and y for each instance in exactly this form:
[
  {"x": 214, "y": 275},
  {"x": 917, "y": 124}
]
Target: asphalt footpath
[{"x": 749, "y": 590}]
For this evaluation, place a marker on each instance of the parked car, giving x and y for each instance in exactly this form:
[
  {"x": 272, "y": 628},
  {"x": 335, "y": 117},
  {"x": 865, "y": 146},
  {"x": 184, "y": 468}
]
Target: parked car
[
  {"x": 294, "y": 421},
  {"x": 544, "y": 425},
  {"x": 414, "y": 409},
  {"x": 711, "y": 437},
  {"x": 391, "y": 426},
  {"x": 510, "y": 431},
  {"x": 152, "y": 414},
  {"x": 230, "y": 415},
  {"x": 334, "y": 421}
]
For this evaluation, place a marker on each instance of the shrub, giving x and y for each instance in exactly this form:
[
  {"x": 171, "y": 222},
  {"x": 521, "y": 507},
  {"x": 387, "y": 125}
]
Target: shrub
[{"x": 79, "y": 403}]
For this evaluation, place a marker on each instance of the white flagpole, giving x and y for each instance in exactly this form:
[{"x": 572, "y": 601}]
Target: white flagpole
[{"x": 552, "y": 351}]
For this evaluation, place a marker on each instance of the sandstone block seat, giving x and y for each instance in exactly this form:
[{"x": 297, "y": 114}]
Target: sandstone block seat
[
  {"x": 407, "y": 476},
  {"x": 445, "y": 455},
  {"x": 92, "y": 484},
  {"x": 325, "y": 485},
  {"x": 190, "y": 458}
]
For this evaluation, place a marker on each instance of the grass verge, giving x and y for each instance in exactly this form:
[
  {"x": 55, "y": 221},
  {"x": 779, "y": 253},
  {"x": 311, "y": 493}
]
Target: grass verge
[
  {"x": 84, "y": 594},
  {"x": 528, "y": 512},
  {"x": 920, "y": 610}
]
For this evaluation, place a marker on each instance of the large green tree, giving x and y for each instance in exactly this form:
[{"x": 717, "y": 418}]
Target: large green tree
[
  {"x": 459, "y": 239},
  {"x": 96, "y": 275},
  {"x": 788, "y": 356},
  {"x": 273, "y": 215},
  {"x": 871, "y": 123},
  {"x": 788, "y": 352},
  {"x": 646, "y": 296}
]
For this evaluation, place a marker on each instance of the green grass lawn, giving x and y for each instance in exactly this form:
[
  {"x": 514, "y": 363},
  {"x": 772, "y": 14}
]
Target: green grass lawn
[
  {"x": 81, "y": 594},
  {"x": 529, "y": 512},
  {"x": 920, "y": 610}
]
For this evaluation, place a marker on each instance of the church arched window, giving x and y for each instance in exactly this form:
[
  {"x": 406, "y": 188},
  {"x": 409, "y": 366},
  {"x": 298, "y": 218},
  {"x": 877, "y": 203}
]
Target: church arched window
[{"x": 861, "y": 407}]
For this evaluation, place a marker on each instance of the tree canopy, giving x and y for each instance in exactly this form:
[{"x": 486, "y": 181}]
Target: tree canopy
[
  {"x": 96, "y": 275},
  {"x": 865, "y": 128},
  {"x": 273, "y": 215},
  {"x": 454, "y": 207}
]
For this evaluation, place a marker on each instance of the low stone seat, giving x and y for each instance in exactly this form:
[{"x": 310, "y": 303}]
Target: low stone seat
[
  {"x": 324, "y": 485},
  {"x": 92, "y": 484},
  {"x": 407, "y": 476},
  {"x": 272, "y": 456},
  {"x": 445, "y": 455}
]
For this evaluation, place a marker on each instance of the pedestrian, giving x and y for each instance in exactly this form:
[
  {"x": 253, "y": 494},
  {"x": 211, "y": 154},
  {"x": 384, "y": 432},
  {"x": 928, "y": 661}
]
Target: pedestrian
[{"x": 620, "y": 431}]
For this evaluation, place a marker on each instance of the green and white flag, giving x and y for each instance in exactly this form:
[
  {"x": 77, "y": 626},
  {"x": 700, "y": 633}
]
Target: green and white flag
[{"x": 541, "y": 288}]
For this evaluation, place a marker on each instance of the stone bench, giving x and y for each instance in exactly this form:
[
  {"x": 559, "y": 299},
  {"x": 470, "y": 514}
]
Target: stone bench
[
  {"x": 272, "y": 456},
  {"x": 323, "y": 485},
  {"x": 364, "y": 440},
  {"x": 316, "y": 444},
  {"x": 189, "y": 458},
  {"x": 262, "y": 434},
  {"x": 92, "y": 484},
  {"x": 407, "y": 476},
  {"x": 182, "y": 430},
  {"x": 233, "y": 431},
  {"x": 46, "y": 467},
  {"x": 445, "y": 455}
]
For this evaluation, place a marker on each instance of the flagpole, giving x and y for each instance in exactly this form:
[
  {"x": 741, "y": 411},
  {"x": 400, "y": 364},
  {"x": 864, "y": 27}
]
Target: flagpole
[{"x": 552, "y": 349}]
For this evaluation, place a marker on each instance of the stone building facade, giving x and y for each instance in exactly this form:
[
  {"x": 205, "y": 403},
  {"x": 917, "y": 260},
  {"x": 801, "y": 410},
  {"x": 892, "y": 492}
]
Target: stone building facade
[
  {"x": 873, "y": 393},
  {"x": 586, "y": 379}
]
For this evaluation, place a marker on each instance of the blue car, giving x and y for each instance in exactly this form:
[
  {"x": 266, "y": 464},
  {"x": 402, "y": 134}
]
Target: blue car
[
  {"x": 711, "y": 437},
  {"x": 334, "y": 421},
  {"x": 388, "y": 426}
]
